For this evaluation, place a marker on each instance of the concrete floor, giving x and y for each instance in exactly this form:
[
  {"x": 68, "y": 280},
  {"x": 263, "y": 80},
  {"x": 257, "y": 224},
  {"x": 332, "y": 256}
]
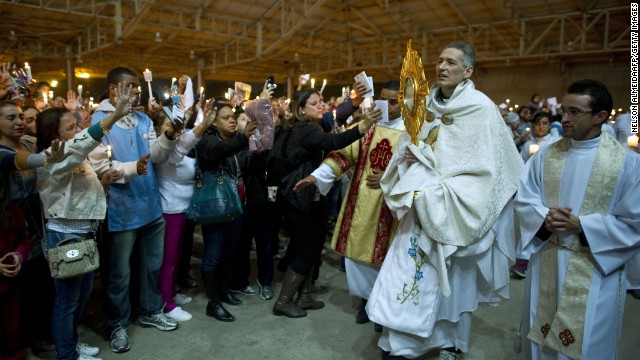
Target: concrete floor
[{"x": 329, "y": 333}]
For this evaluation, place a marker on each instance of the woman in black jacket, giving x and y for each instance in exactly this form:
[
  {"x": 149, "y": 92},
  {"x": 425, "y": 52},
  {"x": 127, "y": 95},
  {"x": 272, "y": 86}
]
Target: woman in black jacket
[
  {"x": 304, "y": 212},
  {"x": 217, "y": 150}
]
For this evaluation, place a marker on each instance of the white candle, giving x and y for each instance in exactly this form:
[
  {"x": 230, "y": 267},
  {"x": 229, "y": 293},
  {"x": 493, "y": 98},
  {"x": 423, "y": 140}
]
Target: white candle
[
  {"x": 324, "y": 83},
  {"x": 174, "y": 86},
  {"x": 27, "y": 69},
  {"x": 334, "y": 115},
  {"x": 51, "y": 94},
  {"x": 44, "y": 96},
  {"x": 80, "y": 91},
  {"x": 632, "y": 141},
  {"x": 201, "y": 91},
  {"x": 533, "y": 148},
  {"x": 147, "y": 78},
  {"x": 226, "y": 95},
  {"x": 313, "y": 83},
  {"x": 109, "y": 156},
  {"x": 343, "y": 89},
  {"x": 147, "y": 75}
]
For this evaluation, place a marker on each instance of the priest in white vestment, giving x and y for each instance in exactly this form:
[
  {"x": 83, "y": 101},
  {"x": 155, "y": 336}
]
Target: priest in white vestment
[
  {"x": 578, "y": 203},
  {"x": 451, "y": 194}
]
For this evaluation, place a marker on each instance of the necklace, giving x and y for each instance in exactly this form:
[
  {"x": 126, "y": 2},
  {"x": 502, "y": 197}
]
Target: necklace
[{"x": 129, "y": 121}]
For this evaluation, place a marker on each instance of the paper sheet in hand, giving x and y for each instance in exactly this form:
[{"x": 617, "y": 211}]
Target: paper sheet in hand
[
  {"x": 367, "y": 81},
  {"x": 176, "y": 112},
  {"x": 383, "y": 105}
]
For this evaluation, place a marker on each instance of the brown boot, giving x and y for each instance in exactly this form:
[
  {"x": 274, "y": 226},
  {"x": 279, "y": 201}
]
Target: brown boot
[
  {"x": 285, "y": 305},
  {"x": 305, "y": 301}
]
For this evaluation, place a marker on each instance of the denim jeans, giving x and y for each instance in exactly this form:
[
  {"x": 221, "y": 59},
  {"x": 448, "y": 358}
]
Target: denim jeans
[
  {"x": 71, "y": 296},
  {"x": 148, "y": 240},
  {"x": 219, "y": 243}
]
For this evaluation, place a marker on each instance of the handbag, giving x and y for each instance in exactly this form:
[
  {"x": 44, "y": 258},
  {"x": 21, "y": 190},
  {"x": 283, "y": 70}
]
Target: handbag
[
  {"x": 215, "y": 198},
  {"x": 73, "y": 257}
]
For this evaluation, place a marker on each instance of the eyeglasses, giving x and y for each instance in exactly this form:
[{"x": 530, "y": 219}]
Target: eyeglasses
[{"x": 572, "y": 113}]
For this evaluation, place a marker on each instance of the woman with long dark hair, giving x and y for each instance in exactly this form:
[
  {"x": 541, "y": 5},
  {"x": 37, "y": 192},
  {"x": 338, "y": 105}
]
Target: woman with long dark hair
[
  {"x": 217, "y": 150},
  {"x": 304, "y": 210},
  {"x": 74, "y": 202}
]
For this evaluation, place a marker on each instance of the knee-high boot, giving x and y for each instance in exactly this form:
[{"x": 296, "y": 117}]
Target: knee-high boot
[
  {"x": 225, "y": 276},
  {"x": 285, "y": 305},
  {"x": 214, "y": 307},
  {"x": 305, "y": 301}
]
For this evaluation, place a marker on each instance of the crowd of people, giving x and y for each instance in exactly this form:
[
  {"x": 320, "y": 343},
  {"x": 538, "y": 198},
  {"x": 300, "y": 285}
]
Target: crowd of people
[{"x": 427, "y": 228}]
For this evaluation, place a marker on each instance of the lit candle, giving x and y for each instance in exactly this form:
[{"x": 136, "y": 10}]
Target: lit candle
[
  {"x": 51, "y": 94},
  {"x": 201, "y": 91},
  {"x": 147, "y": 78},
  {"x": 343, "y": 89},
  {"x": 632, "y": 141},
  {"x": 324, "y": 83},
  {"x": 109, "y": 156},
  {"x": 174, "y": 86},
  {"x": 533, "y": 148},
  {"x": 27, "y": 69},
  {"x": 80, "y": 91},
  {"x": 44, "y": 96},
  {"x": 334, "y": 115},
  {"x": 226, "y": 95},
  {"x": 508, "y": 101},
  {"x": 313, "y": 83}
]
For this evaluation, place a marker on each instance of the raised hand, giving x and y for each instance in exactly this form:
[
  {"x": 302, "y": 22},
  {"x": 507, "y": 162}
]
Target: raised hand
[
  {"x": 267, "y": 92},
  {"x": 71, "y": 103},
  {"x": 5, "y": 80},
  {"x": 123, "y": 100},
  {"x": 56, "y": 154}
]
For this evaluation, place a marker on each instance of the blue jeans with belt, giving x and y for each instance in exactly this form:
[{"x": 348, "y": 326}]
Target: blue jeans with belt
[{"x": 71, "y": 297}]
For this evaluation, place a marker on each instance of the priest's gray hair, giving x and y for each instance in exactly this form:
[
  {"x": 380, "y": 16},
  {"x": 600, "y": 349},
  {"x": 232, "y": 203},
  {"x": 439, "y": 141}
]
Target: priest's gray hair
[{"x": 468, "y": 55}]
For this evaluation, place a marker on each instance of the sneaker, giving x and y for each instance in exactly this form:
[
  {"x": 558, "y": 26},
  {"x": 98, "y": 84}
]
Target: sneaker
[
  {"x": 248, "y": 290},
  {"x": 181, "y": 299},
  {"x": 520, "y": 268},
  {"x": 87, "y": 357},
  {"x": 85, "y": 349},
  {"x": 120, "y": 340},
  {"x": 159, "y": 321},
  {"x": 178, "y": 314},
  {"x": 266, "y": 292}
]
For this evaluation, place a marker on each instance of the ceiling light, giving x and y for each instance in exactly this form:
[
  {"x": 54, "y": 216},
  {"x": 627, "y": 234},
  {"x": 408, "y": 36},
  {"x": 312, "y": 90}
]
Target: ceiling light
[
  {"x": 83, "y": 75},
  {"x": 54, "y": 83}
]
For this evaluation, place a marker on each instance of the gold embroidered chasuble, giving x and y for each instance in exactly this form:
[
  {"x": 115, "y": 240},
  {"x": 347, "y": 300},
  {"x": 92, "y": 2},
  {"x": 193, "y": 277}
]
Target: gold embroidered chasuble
[{"x": 365, "y": 225}]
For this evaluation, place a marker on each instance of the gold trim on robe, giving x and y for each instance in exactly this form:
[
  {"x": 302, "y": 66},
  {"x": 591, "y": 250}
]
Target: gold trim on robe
[
  {"x": 365, "y": 225},
  {"x": 559, "y": 325}
]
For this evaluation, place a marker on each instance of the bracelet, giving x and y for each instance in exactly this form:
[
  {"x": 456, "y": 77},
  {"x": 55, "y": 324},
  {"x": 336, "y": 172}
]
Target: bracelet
[{"x": 105, "y": 131}]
